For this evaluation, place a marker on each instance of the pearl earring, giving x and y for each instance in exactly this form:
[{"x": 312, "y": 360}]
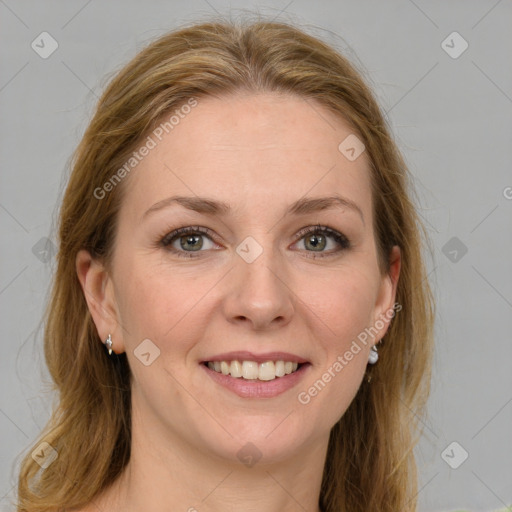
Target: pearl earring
[
  {"x": 108, "y": 344},
  {"x": 373, "y": 356}
]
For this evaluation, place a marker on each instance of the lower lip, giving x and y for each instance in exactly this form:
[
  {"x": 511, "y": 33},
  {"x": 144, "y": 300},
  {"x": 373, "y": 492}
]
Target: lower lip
[{"x": 246, "y": 388}]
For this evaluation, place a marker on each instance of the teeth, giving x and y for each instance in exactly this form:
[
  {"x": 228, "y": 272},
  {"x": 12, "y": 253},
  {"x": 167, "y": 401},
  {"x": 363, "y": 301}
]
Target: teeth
[
  {"x": 267, "y": 371},
  {"x": 251, "y": 370},
  {"x": 280, "y": 369},
  {"x": 224, "y": 367},
  {"x": 236, "y": 369}
]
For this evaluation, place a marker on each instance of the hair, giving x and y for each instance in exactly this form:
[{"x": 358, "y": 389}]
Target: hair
[{"x": 370, "y": 463}]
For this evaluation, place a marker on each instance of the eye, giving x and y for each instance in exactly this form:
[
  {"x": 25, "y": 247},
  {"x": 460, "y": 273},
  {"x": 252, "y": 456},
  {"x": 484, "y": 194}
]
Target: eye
[
  {"x": 316, "y": 239},
  {"x": 184, "y": 242},
  {"x": 188, "y": 240}
]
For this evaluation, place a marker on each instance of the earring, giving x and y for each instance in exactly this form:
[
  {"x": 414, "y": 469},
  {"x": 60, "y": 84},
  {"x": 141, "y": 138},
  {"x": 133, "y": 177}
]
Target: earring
[
  {"x": 373, "y": 356},
  {"x": 108, "y": 344}
]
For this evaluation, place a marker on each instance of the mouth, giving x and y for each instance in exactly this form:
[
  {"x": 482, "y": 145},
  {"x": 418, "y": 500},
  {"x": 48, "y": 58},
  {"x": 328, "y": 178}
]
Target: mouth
[
  {"x": 247, "y": 378},
  {"x": 253, "y": 370}
]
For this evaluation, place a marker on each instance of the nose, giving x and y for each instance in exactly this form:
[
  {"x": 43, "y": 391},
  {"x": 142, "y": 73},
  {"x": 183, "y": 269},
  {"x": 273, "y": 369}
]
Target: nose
[{"x": 259, "y": 293}]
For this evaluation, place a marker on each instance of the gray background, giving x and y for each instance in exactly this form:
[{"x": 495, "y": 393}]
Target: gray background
[{"x": 451, "y": 117}]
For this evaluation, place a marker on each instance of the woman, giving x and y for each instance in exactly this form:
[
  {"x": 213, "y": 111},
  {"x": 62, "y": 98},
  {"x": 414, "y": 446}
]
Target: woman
[{"x": 236, "y": 239}]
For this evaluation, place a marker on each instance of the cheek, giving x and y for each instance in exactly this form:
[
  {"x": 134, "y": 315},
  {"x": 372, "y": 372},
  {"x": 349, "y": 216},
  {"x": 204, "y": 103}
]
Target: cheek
[
  {"x": 343, "y": 309},
  {"x": 157, "y": 302},
  {"x": 343, "y": 301}
]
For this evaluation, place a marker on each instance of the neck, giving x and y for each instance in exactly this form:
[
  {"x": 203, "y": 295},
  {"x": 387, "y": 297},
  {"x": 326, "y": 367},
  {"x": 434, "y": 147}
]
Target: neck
[{"x": 171, "y": 474}]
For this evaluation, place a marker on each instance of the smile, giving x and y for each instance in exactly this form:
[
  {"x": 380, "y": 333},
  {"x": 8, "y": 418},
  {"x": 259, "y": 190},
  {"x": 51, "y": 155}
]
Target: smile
[
  {"x": 249, "y": 383},
  {"x": 251, "y": 370}
]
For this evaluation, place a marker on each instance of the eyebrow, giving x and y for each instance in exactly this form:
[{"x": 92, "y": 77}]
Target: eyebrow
[{"x": 212, "y": 207}]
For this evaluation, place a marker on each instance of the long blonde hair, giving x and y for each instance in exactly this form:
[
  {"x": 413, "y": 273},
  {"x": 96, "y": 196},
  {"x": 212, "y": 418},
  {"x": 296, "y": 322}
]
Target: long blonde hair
[{"x": 370, "y": 463}]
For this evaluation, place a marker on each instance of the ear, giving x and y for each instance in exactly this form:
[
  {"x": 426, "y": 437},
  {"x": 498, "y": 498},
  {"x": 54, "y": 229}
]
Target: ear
[
  {"x": 385, "y": 305},
  {"x": 98, "y": 290}
]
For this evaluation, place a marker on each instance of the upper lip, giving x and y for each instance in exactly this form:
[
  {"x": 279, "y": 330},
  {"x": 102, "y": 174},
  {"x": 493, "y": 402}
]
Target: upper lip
[{"x": 244, "y": 355}]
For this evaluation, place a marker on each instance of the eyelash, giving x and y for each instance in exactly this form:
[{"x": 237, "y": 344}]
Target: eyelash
[{"x": 341, "y": 239}]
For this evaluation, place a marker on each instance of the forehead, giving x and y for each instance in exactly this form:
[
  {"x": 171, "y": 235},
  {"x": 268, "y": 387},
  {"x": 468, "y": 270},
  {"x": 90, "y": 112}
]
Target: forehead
[{"x": 250, "y": 150}]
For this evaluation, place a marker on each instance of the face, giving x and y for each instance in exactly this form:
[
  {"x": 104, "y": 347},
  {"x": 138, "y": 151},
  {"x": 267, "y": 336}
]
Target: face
[{"x": 261, "y": 272}]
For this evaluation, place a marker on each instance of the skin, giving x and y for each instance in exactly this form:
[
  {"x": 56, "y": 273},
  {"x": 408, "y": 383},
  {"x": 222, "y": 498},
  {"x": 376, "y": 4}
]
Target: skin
[{"x": 258, "y": 153}]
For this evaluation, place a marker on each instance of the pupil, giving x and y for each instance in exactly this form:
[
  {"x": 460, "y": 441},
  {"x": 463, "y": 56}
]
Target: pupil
[
  {"x": 315, "y": 243},
  {"x": 192, "y": 239}
]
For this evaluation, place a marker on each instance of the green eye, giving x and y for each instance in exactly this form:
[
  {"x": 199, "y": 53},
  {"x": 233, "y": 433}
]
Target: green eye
[
  {"x": 186, "y": 241},
  {"x": 316, "y": 239},
  {"x": 190, "y": 240}
]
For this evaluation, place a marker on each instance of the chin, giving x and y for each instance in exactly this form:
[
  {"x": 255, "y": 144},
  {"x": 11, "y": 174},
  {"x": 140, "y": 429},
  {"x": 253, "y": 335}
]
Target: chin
[{"x": 267, "y": 438}]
